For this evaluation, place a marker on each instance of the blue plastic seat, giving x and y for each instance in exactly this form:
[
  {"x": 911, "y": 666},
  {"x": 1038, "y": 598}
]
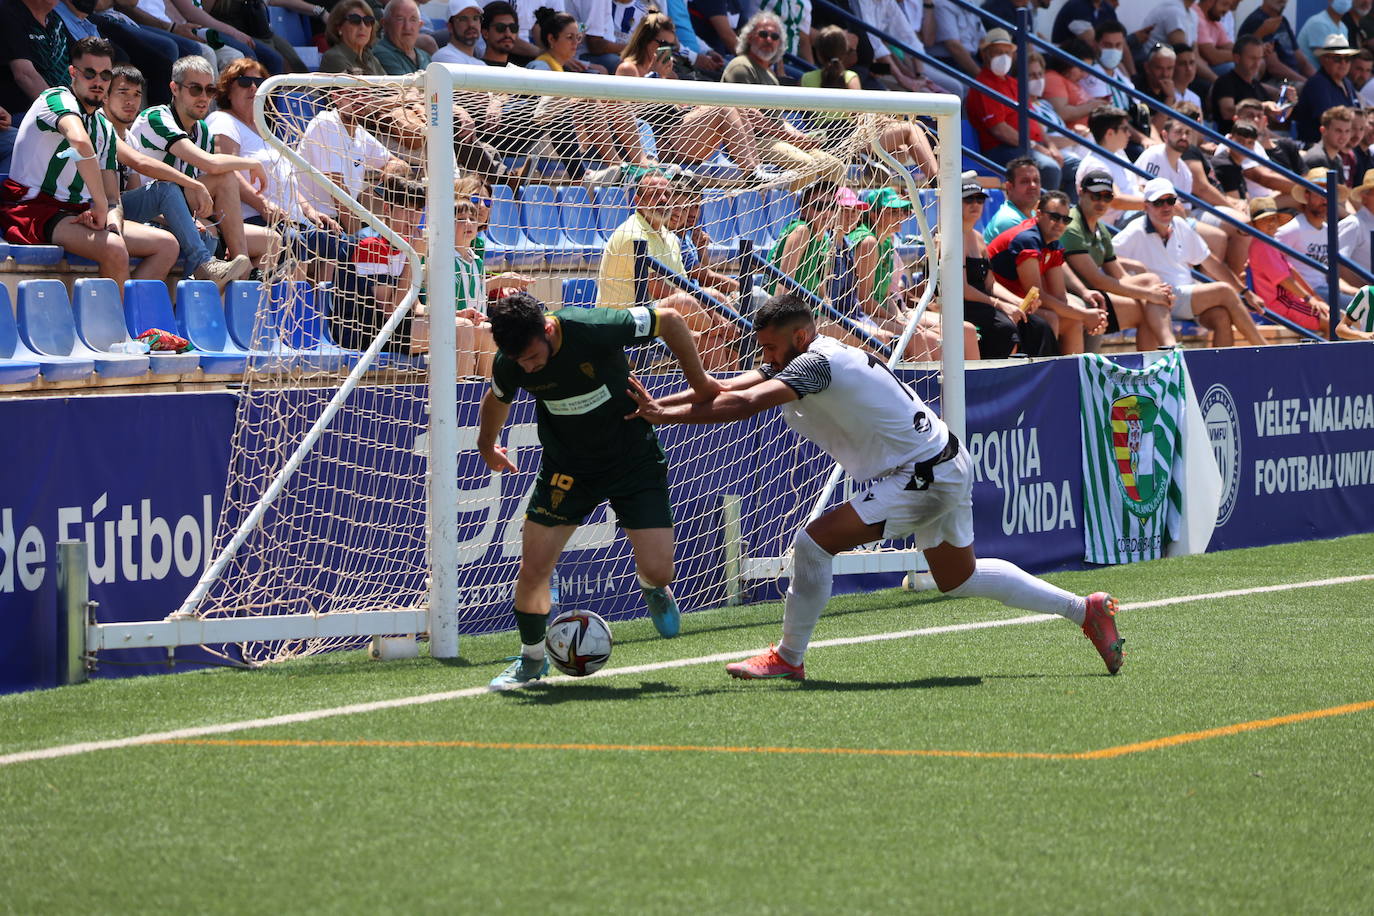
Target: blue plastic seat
[
  {"x": 718, "y": 219},
  {"x": 296, "y": 313},
  {"x": 579, "y": 292},
  {"x": 991, "y": 206},
  {"x": 36, "y": 255},
  {"x": 579, "y": 222},
  {"x": 783, "y": 207},
  {"x": 147, "y": 305},
  {"x": 100, "y": 324},
  {"x": 543, "y": 224},
  {"x": 289, "y": 25},
  {"x": 48, "y": 327},
  {"x": 19, "y": 364},
  {"x": 243, "y": 303},
  {"x": 751, "y": 219},
  {"x": 507, "y": 243},
  {"x": 613, "y": 207},
  {"x": 4, "y": 250},
  {"x": 200, "y": 319},
  {"x": 295, "y": 110}
]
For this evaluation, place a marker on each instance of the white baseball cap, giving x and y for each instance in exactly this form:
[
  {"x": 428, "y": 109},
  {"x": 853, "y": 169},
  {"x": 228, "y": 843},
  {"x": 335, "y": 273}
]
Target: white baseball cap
[
  {"x": 457, "y": 6},
  {"x": 1156, "y": 188}
]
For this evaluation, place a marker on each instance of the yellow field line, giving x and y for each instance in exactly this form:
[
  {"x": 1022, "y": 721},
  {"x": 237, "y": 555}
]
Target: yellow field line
[{"x": 1102, "y": 754}]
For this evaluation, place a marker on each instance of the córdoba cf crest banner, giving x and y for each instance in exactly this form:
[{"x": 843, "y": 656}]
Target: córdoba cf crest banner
[{"x": 1136, "y": 466}]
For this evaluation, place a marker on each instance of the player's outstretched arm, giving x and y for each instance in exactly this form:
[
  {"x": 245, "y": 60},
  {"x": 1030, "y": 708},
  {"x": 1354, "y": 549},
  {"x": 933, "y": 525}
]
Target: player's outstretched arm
[
  {"x": 725, "y": 407},
  {"x": 673, "y": 331},
  {"x": 687, "y": 396},
  {"x": 491, "y": 420}
]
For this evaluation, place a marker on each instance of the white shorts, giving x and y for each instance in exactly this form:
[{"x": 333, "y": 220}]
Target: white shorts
[
  {"x": 941, "y": 513},
  {"x": 1183, "y": 302}
]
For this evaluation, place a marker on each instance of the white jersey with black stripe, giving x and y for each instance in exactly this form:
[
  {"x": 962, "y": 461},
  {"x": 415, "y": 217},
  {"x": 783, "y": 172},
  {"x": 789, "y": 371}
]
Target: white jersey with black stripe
[{"x": 852, "y": 406}]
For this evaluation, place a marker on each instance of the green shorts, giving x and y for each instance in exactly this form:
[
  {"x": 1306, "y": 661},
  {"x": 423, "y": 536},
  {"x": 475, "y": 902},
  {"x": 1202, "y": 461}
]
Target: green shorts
[{"x": 638, "y": 492}]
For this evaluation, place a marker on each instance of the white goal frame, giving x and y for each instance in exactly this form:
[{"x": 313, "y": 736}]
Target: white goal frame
[{"x": 185, "y": 627}]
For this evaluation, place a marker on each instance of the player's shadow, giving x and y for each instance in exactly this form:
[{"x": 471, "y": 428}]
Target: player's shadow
[
  {"x": 565, "y": 692},
  {"x": 925, "y": 683}
]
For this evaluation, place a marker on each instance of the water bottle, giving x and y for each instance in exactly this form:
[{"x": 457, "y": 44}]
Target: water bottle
[{"x": 553, "y": 591}]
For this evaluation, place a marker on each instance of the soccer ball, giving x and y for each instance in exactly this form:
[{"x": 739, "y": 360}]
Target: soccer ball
[{"x": 578, "y": 643}]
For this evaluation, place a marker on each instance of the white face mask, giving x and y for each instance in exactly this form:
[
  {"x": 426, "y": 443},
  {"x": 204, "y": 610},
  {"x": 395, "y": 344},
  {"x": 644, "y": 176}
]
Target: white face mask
[
  {"x": 1110, "y": 59},
  {"x": 1001, "y": 64},
  {"x": 1036, "y": 86}
]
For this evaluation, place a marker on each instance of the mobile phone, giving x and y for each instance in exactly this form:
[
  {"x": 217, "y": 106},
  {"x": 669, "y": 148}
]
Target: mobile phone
[{"x": 664, "y": 54}]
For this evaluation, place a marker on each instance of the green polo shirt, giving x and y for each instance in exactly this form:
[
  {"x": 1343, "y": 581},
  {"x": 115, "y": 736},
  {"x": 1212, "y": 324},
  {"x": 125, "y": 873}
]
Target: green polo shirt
[{"x": 1078, "y": 240}]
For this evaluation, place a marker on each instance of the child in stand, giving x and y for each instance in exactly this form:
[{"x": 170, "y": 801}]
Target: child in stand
[
  {"x": 476, "y": 348},
  {"x": 373, "y": 284},
  {"x": 1281, "y": 288}
]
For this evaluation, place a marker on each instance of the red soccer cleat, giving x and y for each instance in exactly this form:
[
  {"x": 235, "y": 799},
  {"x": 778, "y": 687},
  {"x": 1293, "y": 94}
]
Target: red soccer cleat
[
  {"x": 1099, "y": 625},
  {"x": 766, "y": 665}
]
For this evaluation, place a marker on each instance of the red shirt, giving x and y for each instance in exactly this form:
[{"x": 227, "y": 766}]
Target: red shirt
[
  {"x": 983, "y": 111},
  {"x": 1021, "y": 243}
]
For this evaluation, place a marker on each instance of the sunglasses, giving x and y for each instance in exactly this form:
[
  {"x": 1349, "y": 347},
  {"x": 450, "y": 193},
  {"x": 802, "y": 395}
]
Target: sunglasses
[
  {"x": 103, "y": 75},
  {"x": 481, "y": 201},
  {"x": 246, "y": 81},
  {"x": 1164, "y": 202},
  {"x": 196, "y": 90},
  {"x": 501, "y": 28},
  {"x": 1062, "y": 219},
  {"x": 975, "y": 199},
  {"x": 1105, "y": 197},
  {"x": 769, "y": 35},
  {"x": 359, "y": 19}
]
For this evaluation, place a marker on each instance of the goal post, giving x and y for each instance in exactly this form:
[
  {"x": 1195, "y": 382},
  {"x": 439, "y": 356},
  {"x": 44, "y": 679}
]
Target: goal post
[{"x": 356, "y": 505}]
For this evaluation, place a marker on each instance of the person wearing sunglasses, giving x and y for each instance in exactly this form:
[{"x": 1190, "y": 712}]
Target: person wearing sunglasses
[
  {"x": 178, "y": 135},
  {"x": 1170, "y": 248},
  {"x": 1030, "y": 256},
  {"x": 352, "y": 33},
  {"x": 1138, "y": 300}
]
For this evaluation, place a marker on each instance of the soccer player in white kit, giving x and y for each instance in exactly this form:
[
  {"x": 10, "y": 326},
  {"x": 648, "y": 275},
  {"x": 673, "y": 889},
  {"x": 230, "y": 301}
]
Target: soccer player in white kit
[{"x": 917, "y": 481}]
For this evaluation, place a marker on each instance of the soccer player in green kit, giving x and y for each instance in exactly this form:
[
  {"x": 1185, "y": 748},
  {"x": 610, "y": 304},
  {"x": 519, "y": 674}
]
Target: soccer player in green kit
[{"x": 573, "y": 364}]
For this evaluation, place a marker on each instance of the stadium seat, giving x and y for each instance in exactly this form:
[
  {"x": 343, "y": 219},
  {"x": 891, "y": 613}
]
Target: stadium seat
[
  {"x": 994, "y": 202},
  {"x": 4, "y": 251},
  {"x": 36, "y": 255},
  {"x": 507, "y": 244},
  {"x": 19, "y": 364},
  {"x": 579, "y": 222},
  {"x": 613, "y": 207},
  {"x": 579, "y": 292},
  {"x": 543, "y": 224},
  {"x": 751, "y": 219},
  {"x": 718, "y": 219},
  {"x": 294, "y": 112},
  {"x": 323, "y": 301},
  {"x": 243, "y": 302},
  {"x": 289, "y": 25},
  {"x": 100, "y": 324},
  {"x": 200, "y": 319},
  {"x": 48, "y": 328},
  {"x": 294, "y": 306}
]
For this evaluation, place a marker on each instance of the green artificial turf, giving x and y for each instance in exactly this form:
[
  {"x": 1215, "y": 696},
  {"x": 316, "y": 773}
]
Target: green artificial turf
[{"x": 1269, "y": 820}]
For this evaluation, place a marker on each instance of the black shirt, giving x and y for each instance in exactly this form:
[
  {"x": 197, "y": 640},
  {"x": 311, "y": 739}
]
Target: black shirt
[
  {"x": 1230, "y": 177},
  {"x": 1317, "y": 158},
  {"x": 44, "y": 44},
  {"x": 1235, "y": 88}
]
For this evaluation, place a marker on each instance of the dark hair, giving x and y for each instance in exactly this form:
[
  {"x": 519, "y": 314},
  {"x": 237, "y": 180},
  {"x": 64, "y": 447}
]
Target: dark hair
[
  {"x": 830, "y": 47},
  {"x": 551, "y": 22},
  {"x": 1052, "y": 197},
  {"x": 498, "y": 8},
  {"x": 95, "y": 47},
  {"x": 402, "y": 192},
  {"x": 516, "y": 321},
  {"x": 1021, "y": 162},
  {"x": 783, "y": 311},
  {"x": 1106, "y": 118},
  {"x": 1077, "y": 51},
  {"x": 1182, "y": 48},
  {"x": 131, "y": 75},
  {"x": 1244, "y": 131},
  {"x": 1244, "y": 42},
  {"x": 1110, "y": 27}
]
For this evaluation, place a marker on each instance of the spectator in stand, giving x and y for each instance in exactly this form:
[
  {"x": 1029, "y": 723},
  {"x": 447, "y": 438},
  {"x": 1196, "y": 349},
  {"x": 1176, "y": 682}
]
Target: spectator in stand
[
  {"x": 719, "y": 23},
  {"x": 1320, "y": 26},
  {"x": 1360, "y": 157},
  {"x": 1095, "y": 12},
  {"x": 1062, "y": 84},
  {"x": 200, "y": 20},
  {"x": 499, "y": 33},
  {"x": 157, "y": 36},
  {"x": 1111, "y": 59},
  {"x": 34, "y": 51},
  {"x": 1307, "y": 235},
  {"x": 1111, "y": 130},
  {"x": 1214, "y": 45},
  {"x": 1060, "y": 144},
  {"x": 891, "y": 17},
  {"x": 1333, "y": 149},
  {"x": 1361, "y": 71},
  {"x": 703, "y": 57},
  {"x": 352, "y": 33},
  {"x": 1156, "y": 75},
  {"x": 957, "y": 32},
  {"x": 1170, "y": 248},
  {"x": 173, "y": 197},
  {"x": 1138, "y": 301},
  {"x": 1170, "y": 22},
  {"x": 1330, "y": 86},
  {"x": 1282, "y": 59},
  {"x": 685, "y": 221},
  {"x": 464, "y": 30},
  {"x": 1226, "y": 239},
  {"x": 396, "y": 50},
  {"x": 1273, "y": 279},
  {"x": 1242, "y": 176},
  {"x": 715, "y": 335},
  {"x": 336, "y": 143},
  {"x": 1029, "y": 255},
  {"x": 1242, "y": 82},
  {"x": 1021, "y": 195},
  {"x": 1282, "y": 151},
  {"x": 601, "y": 44},
  {"x": 996, "y": 122},
  {"x": 795, "y": 16},
  {"x": 1186, "y": 68},
  {"x": 63, "y": 188},
  {"x": 988, "y": 305},
  {"x": 1356, "y": 228}
]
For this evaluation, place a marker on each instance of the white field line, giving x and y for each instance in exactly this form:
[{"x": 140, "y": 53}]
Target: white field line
[{"x": 295, "y": 718}]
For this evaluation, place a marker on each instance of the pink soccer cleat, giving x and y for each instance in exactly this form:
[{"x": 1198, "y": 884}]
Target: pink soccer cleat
[
  {"x": 1099, "y": 625},
  {"x": 766, "y": 665}
]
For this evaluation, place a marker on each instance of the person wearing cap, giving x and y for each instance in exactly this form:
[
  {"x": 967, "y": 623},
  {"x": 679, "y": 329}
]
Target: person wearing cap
[
  {"x": 1355, "y": 228},
  {"x": 1322, "y": 24},
  {"x": 396, "y": 50},
  {"x": 875, "y": 261},
  {"x": 994, "y": 122},
  {"x": 464, "y": 31},
  {"x": 1243, "y": 176},
  {"x": 1329, "y": 86},
  {"x": 1307, "y": 234},
  {"x": 1171, "y": 248},
  {"x": 1281, "y": 150},
  {"x": 1281, "y": 288},
  {"x": 988, "y": 306},
  {"x": 1139, "y": 301},
  {"x": 1030, "y": 256}
]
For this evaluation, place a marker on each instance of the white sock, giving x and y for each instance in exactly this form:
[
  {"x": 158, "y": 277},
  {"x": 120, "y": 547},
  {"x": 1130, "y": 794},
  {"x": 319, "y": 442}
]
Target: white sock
[
  {"x": 1014, "y": 587},
  {"x": 812, "y": 573},
  {"x": 534, "y": 651}
]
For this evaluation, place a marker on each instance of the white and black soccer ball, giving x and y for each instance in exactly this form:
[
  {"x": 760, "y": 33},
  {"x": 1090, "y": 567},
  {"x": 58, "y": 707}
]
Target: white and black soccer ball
[{"x": 578, "y": 643}]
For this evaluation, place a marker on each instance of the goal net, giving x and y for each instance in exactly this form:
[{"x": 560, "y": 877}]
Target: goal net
[{"x": 404, "y": 205}]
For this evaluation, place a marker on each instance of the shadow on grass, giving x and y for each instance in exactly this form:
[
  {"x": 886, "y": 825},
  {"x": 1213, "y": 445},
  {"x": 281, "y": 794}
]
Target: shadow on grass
[
  {"x": 925, "y": 683},
  {"x": 564, "y": 692}
]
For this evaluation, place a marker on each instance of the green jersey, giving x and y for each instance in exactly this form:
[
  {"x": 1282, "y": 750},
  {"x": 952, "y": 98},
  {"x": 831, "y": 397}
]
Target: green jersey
[
  {"x": 43, "y": 159},
  {"x": 815, "y": 261},
  {"x": 581, "y": 398},
  {"x": 882, "y": 271},
  {"x": 155, "y": 131}
]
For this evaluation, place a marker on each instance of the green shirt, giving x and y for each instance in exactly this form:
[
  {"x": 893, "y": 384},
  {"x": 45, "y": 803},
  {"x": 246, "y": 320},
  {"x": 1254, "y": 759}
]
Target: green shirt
[
  {"x": 156, "y": 130},
  {"x": 1078, "y": 240},
  {"x": 580, "y": 394},
  {"x": 394, "y": 60},
  {"x": 882, "y": 272},
  {"x": 1006, "y": 216},
  {"x": 816, "y": 257}
]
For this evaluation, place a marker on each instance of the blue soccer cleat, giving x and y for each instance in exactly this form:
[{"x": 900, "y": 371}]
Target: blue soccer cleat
[
  {"x": 520, "y": 672},
  {"x": 663, "y": 610}
]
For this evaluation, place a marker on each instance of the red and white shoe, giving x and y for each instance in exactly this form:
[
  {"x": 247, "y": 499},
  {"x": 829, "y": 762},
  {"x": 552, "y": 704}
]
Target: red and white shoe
[
  {"x": 1099, "y": 625},
  {"x": 767, "y": 665}
]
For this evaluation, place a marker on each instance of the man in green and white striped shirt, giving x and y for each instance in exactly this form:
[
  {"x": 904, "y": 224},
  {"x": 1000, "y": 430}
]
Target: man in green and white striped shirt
[
  {"x": 63, "y": 188},
  {"x": 177, "y": 135}
]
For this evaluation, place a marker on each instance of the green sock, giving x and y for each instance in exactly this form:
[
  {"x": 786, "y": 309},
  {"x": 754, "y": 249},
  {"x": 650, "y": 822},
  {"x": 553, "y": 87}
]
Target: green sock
[{"x": 531, "y": 627}]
